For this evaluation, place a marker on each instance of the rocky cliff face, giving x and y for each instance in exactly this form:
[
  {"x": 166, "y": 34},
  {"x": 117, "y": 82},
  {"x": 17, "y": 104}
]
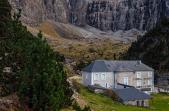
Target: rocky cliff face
[
  {"x": 36, "y": 11},
  {"x": 102, "y": 14},
  {"x": 123, "y": 14}
]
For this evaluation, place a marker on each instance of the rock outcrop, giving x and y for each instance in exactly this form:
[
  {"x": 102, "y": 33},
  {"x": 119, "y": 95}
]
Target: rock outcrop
[
  {"x": 121, "y": 14},
  {"x": 102, "y": 14},
  {"x": 37, "y": 11}
]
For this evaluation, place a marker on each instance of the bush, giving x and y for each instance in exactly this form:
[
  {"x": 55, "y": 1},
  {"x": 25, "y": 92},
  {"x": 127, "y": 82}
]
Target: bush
[
  {"x": 76, "y": 107},
  {"x": 76, "y": 86},
  {"x": 111, "y": 94}
]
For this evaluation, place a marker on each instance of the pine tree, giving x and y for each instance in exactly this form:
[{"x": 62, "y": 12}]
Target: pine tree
[
  {"x": 37, "y": 76},
  {"x": 5, "y": 17}
]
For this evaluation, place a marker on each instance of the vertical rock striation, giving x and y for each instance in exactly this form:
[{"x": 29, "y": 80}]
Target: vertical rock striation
[
  {"x": 102, "y": 14},
  {"x": 119, "y": 14}
]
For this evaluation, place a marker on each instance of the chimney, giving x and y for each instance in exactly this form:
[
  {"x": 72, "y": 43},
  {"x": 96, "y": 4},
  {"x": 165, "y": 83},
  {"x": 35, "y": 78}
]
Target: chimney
[{"x": 139, "y": 62}]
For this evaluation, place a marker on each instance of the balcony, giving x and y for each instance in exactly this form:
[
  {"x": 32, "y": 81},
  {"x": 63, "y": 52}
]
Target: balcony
[
  {"x": 147, "y": 78},
  {"x": 138, "y": 78}
]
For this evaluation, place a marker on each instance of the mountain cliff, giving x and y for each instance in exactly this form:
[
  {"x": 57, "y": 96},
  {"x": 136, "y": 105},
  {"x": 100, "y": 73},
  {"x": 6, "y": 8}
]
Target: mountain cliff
[
  {"x": 37, "y": 11},
  {"x": 125, "y": 14},
  {"x": 102, "y": 14}
]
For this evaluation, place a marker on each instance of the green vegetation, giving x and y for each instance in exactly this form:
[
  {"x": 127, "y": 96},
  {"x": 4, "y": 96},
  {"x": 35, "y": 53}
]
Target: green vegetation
[
  {"x": 153, "y": 48},
  {"x": 35, "y": 72},
  {"x": 160, "y": 102},
  {"x": 76, "y": 107},
  {"x": 5, "y": 15},
  {"x": 98, "y": 102}
]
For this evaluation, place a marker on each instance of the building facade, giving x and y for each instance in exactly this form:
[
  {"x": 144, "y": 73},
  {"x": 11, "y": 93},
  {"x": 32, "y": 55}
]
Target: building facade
[{"x": 109, "y": 74}]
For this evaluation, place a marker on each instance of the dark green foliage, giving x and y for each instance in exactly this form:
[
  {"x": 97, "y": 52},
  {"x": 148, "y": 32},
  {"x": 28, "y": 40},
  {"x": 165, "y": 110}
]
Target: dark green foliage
[
  {"x": 153, "y": 48},
  {"x": 5, "y": 17},
  {"x": 37, "y": 73}
]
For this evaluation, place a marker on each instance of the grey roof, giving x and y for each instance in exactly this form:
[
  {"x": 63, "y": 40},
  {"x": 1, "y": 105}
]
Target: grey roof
[
  {"x": 111, "y": 66},
  {"x": 96, "y": 66},
  {"x": 129, "y": 94}
]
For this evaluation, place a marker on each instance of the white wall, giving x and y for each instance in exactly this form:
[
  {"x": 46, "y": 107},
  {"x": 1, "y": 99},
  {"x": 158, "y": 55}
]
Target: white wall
[
  {"x": 147, "y": 79},
  {"x": 92, "y": 79},
  {"x": 86, "y": 78},
  {"x": 107, "y": 82}
]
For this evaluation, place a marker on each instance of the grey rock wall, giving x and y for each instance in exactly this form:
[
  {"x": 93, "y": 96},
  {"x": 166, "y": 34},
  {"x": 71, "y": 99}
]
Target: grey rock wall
[
  {"x": 123, "y": 14},
  {"x": 102, "y": 14},
  {"x": 36, "y": 11}
]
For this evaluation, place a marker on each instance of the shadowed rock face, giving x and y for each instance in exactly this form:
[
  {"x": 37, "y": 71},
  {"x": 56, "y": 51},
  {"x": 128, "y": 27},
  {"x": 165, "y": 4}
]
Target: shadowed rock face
[{"x": 102, "y": 14}]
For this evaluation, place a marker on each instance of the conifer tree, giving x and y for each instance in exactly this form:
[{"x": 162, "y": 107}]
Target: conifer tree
[
  {"x": 37, "y": 74},
  {"x": 5, "y": 17}
]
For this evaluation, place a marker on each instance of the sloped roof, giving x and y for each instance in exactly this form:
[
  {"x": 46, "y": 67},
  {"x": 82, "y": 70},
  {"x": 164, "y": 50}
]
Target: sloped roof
[
  {"x": 96, "y": 66},
  {"x": 111, "y": 66},
  {"x": 129, "y": 94}
]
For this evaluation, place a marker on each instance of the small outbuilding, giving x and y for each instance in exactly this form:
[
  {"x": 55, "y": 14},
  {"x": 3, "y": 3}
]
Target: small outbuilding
[{"x": 132, "y": 96}]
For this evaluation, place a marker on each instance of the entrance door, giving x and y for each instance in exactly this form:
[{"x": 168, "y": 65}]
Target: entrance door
[
  {"x": 142, "y": 103},
  {"x": 138, "y": 103}
]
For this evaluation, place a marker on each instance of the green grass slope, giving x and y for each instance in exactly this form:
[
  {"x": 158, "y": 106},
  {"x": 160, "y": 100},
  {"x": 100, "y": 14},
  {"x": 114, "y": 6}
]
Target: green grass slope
[{"x": 98, "y": 102}]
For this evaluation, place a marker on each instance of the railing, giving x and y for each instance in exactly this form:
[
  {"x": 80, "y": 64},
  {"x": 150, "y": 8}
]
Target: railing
[
  {"x": 142, "y": 87},
  {"x": 145, "y": 78}
]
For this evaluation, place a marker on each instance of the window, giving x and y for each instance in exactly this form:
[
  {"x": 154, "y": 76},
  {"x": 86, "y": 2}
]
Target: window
[
  {"x": 86, "y": 76},
  {"x": 149, "y": 82},
  {"x": 138, "y": 83},
  {"x": 103, "y": 76},
  {"x": 138, "y": 75},
  {"x": 96, "y": 76},
  {"x": 142, "y": 103},
  {"x": 125, "y": 80},
  {"x": 149, "y": 74}
]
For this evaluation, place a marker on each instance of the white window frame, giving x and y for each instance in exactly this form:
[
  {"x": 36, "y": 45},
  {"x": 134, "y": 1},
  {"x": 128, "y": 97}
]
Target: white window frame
[
  {"x": 125, "y": 80},
  {"x": 138, "y": 75},
  {"x": 150, "y": 74},
  {"x": 139, "y": 83},
  {"x": 103, "y": 76},
  {"x": 96, "y": 76},
  {"x": 149, "y": 82}
]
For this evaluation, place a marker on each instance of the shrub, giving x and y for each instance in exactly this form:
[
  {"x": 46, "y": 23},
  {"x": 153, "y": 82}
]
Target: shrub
[
  {"x": 76, "y": 107},
  {"x": 111, "y": 94},
  {"x": 76, "y": 86}
]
